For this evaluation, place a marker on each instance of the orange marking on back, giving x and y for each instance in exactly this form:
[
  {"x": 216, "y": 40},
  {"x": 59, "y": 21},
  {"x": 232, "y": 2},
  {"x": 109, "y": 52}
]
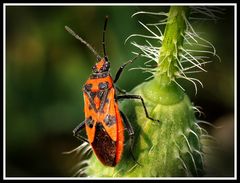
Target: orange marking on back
[{"x": 97, "y": 102}]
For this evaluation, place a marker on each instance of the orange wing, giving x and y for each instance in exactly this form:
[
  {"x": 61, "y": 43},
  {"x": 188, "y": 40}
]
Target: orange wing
[{"x": 105, "y": 131}]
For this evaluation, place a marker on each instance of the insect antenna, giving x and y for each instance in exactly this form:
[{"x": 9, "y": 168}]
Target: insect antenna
[
  {"x": 103, "y": 41},
  {"x": 83, "y": 41}
]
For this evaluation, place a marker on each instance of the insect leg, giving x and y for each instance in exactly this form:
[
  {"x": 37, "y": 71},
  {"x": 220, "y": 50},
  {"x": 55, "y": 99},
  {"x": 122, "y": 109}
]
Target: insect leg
[
  {"x": 139, "y": 98},
  {"x": 121, "y": 90},
  {"x": 76, "y": 132},
  {"x": 122, "y": 67},
  {"x": 130, "y": 133}
]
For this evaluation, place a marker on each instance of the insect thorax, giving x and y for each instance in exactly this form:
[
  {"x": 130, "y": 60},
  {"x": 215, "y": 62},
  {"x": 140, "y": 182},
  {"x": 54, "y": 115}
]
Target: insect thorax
[
  {"x": 98, "y": 82},
  {"x": 97, "y": 91}
]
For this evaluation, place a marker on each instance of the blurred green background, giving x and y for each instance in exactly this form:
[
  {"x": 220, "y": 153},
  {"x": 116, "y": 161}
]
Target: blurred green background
[{"x": 46, "y": 68}]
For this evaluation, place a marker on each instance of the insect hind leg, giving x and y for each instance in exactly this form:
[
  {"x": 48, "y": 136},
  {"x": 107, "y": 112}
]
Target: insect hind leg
[
  {"x": 131, "y": 135},
  {"x": 143, "y": 104},
  {"x": 77, "y": 130}
]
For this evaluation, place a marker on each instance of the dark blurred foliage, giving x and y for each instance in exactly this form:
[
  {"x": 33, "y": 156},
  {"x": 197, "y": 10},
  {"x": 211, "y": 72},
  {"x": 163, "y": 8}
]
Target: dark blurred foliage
[{"x": 46, "y": 68}]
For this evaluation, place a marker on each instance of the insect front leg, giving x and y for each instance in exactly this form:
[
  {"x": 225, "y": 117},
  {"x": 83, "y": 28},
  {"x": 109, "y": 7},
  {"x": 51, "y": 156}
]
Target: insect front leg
[
  {"x": 77, "y": 130},
  {"x": 138, "y": 97},
  {"x": 119, "y": 72}
]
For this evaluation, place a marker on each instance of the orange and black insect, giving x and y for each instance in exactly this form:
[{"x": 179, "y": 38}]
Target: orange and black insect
[{"x": 103, "y": 118}]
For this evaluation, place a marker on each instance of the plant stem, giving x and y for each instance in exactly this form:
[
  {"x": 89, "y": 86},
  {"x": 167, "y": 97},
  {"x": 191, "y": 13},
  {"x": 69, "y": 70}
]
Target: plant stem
[{"x": 173, "y": 40}]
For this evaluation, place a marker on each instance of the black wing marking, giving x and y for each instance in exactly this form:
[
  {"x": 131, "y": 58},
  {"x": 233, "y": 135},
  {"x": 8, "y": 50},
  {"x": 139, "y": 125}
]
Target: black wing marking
[{"x": 102, "y": 96}]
